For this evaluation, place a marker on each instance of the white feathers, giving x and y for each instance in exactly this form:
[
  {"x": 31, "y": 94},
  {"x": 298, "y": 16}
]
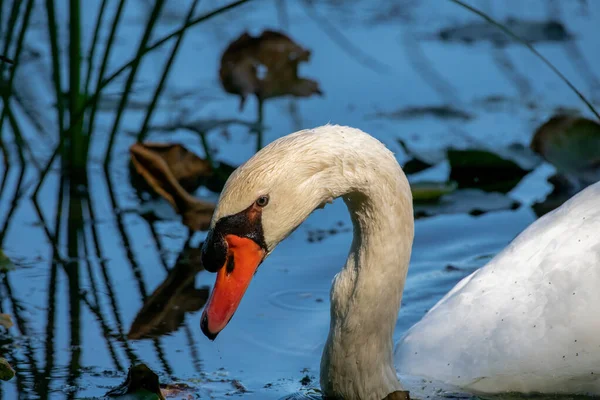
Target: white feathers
[{"x": 529, "y": 320}]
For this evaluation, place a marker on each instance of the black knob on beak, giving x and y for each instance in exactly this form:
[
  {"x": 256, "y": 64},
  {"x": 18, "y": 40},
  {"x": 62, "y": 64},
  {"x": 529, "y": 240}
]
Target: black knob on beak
[{"x": 214, "y": 252}]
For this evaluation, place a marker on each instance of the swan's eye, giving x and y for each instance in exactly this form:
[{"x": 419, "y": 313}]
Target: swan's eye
[{"x": 262, "y": 201}]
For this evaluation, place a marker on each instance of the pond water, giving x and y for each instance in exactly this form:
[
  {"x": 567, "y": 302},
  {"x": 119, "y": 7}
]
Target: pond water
[{"x": 371, "y": 60}]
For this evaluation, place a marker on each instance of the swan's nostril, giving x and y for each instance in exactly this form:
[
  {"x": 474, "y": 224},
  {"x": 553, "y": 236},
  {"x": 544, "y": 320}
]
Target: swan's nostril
[
  {"x": 230, "y": 264},
  {"x": 204, "y": 327}
]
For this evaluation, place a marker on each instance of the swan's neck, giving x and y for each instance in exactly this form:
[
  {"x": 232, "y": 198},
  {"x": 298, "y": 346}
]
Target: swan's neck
[{"x": 357, "y": 360}]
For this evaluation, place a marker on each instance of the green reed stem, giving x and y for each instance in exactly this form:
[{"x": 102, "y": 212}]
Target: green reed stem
[
  {"x": 144, "y": 130},
  {"x": 12, "y": 21},
  {"x": 20, "y": 39},
  {"x": 16, "y": 130},
  {"x": 107, "y": 50},
  {"x": 1, "y": 25},
  {"x": 102, "y": 83},
  {"x": 5, "y": 165},
  {"x": 93, "y": 99},
  {"x": 129, "y": 84},
  {"x": 77, "y": 156},
  {"x": 6, "y": 111},
  {"x": 92, "y": 51},
  {"x": 46, "y": 168},
  {"x": 52, "y": 35},
  {"x": 71, "y": 268},
  {"x": 49, "y": 354},
  {"x": 7, "y": 40}
]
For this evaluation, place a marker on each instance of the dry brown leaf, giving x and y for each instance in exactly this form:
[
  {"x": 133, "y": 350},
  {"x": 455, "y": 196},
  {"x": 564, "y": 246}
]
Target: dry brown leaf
[
  {"x": 6, "y": 321},
  {"x": 187, "y": 168},
  {"x": 266, "y": 66},
  {"x": 161, "y": 165}
]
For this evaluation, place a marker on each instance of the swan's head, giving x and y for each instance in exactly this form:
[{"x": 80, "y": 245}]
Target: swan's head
[{"x": 263, "y": 201}]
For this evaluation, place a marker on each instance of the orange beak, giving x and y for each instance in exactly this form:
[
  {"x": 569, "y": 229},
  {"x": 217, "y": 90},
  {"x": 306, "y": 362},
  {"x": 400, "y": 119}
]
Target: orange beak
[{"x": 233, "y": 278}]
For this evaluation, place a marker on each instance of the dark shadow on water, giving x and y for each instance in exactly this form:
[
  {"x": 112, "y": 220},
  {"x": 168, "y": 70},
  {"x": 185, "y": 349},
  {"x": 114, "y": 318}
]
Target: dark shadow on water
[{"x": 164, "y": 310}]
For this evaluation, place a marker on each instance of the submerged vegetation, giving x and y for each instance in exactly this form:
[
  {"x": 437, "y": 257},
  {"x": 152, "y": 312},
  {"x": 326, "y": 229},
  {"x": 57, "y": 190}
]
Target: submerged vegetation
[{"x": 67, "y": 93}]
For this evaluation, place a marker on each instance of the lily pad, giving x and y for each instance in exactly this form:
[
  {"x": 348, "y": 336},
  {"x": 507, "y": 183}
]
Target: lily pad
[
  {"x": 157, "y": 172},
  {"x": 572, "y": 145},
  {"x": 6, "y": 371},
  {"x": 6, "y": 321},
  {"x": 5, "y": 263},
  {"x": 266, "y": 66},
  {"x": 485, "y": 170},
  {"x": 431, "y": 191}
]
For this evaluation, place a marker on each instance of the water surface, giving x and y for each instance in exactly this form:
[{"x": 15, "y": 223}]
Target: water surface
[{"x": 72, "y": 317}]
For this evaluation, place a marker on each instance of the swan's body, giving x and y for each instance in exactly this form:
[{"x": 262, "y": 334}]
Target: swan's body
[
  {"x": 529, "y": 320},
  {"x": 468, "y": 334}
]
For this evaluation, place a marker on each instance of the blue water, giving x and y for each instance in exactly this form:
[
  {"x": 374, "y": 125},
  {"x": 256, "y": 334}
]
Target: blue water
[{"x": 276, "y": 337}]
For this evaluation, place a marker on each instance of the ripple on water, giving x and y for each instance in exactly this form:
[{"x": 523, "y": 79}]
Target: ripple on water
[{"x": 300, "y": 300}]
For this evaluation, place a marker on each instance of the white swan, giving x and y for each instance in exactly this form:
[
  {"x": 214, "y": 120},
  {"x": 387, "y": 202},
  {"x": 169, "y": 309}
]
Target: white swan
[{"x": 528, "y": 321}]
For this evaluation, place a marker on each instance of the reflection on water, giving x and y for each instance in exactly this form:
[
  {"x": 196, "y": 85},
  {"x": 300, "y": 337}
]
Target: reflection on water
[
  {"x": 100, "y": 283},
  {"x": 164, "y": 310}
]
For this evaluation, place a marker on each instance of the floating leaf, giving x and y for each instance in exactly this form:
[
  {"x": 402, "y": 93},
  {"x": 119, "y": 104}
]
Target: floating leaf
[
  {"x": 5, "y": 263},
  {"x": 164, "y": 311},
  {"x": 157, "y": 172},
  {"x": 485, "y": 170},
  {"x": 186, "y": 167},
  {"x": 6, "y": 371},
  {"x": 266, "y": 66},
  {"x": 572, "y": 145},
  {"x": 141, "y": 383},
  {"x": 6, "y": 321},
  {"x": 530, "y": 31},
  {"x": 431, "y": 191}
]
